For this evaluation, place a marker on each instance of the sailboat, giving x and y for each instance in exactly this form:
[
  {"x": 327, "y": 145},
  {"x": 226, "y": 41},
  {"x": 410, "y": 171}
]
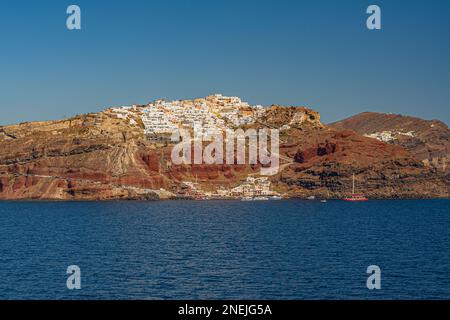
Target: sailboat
[{"x": 355, "y": 197}]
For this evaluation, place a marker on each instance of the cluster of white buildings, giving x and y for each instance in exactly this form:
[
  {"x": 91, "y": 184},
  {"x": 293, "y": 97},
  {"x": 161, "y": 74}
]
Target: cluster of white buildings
[
  {"x": 161, "y": 117},
  {"x": 126, "y": 113},
  {"x": 213, "y": 113},
  {"x": 253, "y": 187},
  {"x": 389, "y": 136},
  {"x": 233, "y": 110}
]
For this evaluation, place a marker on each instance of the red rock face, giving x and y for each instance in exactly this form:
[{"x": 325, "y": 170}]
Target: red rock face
[
  {"x": 70, "y": 160},
  {"x": 382, "y": 170},
  {"x": 151, "y": 160},
  {"x": 321, "y": 150},
  {"x": 427, "y": 141}
]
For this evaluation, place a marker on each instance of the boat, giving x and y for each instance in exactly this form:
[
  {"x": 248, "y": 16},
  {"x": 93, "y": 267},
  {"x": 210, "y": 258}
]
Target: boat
[
  {"x": 254, "y": 199},
  {"x": 323, "y": 201},
  {"x": 275, "y": 198},
  {"x": 311, "y": 198},
  {"x": 355, "y": 197}
]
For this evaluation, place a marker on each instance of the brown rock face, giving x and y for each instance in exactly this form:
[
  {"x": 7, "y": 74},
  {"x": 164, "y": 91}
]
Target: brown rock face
[
  {"x": 99, "y": 157},
  {"x": 428, "y": 141},
  {"x": 91, "y": 157},
  {"x": 322, "y": 149},
  {"x": 325, "y": 161},
  {"x": 296, "y": 117}
]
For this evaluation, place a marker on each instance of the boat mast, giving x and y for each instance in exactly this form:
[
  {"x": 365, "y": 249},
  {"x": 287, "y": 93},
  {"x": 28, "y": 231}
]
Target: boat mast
[{"x": 353, "y": 192}]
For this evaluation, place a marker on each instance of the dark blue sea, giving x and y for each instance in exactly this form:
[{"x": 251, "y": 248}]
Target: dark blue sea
[{"x": 225, "y": 249}]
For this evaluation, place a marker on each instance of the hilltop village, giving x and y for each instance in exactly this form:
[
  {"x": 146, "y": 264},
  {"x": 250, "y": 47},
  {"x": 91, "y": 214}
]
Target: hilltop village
[
  {"x": 213, "y": 113},
  {"x": 217, "y": 112}
]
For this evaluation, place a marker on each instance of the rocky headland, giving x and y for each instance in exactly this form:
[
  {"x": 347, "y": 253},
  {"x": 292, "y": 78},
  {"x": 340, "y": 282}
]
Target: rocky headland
[{"x": 117, "y": 154}]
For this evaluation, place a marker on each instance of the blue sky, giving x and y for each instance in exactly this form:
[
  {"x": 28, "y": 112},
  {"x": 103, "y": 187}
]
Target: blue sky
[{"x": 316, "y": 53}]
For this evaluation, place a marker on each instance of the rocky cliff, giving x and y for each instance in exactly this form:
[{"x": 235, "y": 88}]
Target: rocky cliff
[
  {"x": 427, "y": 141},
  {"x": 102, "y": 156}
]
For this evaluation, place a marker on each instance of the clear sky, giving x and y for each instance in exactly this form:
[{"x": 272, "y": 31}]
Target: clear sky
[{"x": 316, "y": 53}]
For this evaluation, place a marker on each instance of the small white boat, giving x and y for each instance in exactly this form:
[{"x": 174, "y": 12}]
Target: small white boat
[
  {"x": 261, "y": 198},
  {"x": 323, "y": 201},
  {"x": 275, "y": 198},
  {"x": 247, "y": 199},
  {"x": 311, "y": 198}
]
